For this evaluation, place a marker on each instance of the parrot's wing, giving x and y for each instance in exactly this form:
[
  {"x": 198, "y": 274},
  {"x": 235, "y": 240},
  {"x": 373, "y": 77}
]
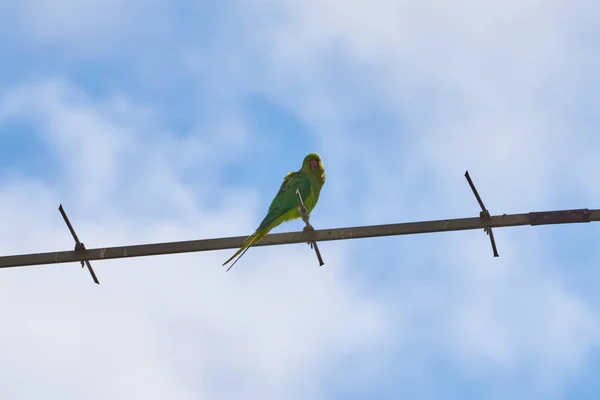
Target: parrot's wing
[{"x": 286, "y": 198}]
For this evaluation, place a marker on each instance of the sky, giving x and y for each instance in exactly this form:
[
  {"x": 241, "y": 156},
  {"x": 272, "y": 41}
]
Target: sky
[{"x": 176, "y": 120}]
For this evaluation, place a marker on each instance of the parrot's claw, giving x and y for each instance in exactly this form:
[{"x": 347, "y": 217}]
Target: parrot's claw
[{"x": 311, "y": 233}]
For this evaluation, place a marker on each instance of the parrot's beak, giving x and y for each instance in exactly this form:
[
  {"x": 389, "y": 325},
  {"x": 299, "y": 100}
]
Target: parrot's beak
[{"x": 313, "y": 165}]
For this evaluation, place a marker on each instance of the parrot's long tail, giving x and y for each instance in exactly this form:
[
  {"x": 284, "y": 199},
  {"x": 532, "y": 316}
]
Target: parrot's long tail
[
  {"x": 254, "y": 238},
  {"x": 274, "y": 218}
]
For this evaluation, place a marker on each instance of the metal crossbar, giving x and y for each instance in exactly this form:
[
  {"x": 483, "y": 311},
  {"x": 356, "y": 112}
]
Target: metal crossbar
[
  {"x": 309, "y": 235},
  {"x": 322, "y": 235}
]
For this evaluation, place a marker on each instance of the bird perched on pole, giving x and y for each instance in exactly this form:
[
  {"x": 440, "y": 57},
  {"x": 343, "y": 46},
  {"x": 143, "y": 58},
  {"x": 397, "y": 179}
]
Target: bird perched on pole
[{"x": 308, "y": 180}]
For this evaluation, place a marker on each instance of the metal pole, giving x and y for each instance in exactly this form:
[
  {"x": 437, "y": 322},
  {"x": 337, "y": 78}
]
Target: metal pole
[
  {"x": 323, "y": 235},
  {"x": 308, "y": 229},
  {"x": 484, "y": 214},
  {"x": 78, "y": 245}
]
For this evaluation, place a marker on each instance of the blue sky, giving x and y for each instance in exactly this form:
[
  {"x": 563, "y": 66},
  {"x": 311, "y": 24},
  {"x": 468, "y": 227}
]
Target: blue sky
[{"x": 161, "y": 121}]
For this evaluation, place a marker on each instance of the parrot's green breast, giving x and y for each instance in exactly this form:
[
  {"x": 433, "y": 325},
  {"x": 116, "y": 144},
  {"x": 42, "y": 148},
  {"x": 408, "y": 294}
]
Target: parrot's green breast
[{"x": 313, "y": 196}]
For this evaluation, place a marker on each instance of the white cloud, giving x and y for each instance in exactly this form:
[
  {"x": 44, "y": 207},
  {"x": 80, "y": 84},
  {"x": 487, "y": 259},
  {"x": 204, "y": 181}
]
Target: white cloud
[
  {"x": 73, "y": 21},
  {"x": 473, "y": 86},
  {"x": 176, "y": 326},
  {"x": 470, "y": 80},
  {"x": 463, "y": 86}
]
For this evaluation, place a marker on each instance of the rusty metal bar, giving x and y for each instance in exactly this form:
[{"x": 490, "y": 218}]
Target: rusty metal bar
[
  {"x": 560, "y": 217},
  {"x": 484, "y": 215},
  {"x": 322, "y": 235},
  {"x": 79, "y": 247}
]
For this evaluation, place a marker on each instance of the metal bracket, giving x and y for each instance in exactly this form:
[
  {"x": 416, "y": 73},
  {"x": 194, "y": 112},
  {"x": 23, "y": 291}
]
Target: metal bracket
[
  {"x": 308, "y": 229},
  {"x": 484, "y": 215},
  {"x": 78, "y": 245}
]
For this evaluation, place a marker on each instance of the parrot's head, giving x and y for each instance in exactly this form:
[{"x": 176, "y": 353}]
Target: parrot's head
[{"x": 313, "y": 163}]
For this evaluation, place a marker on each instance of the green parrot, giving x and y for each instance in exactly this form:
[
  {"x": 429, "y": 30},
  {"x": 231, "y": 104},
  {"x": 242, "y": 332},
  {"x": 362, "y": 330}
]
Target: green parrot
[{"x": 308, "y": 181}]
